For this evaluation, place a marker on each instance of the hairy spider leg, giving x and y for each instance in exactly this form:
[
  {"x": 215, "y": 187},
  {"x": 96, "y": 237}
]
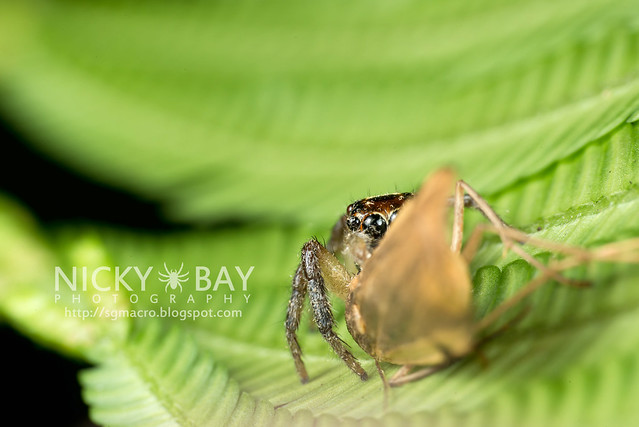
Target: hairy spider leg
[
  {"x": 316, "y": 263},
  {"x": 293, "y": 316}
]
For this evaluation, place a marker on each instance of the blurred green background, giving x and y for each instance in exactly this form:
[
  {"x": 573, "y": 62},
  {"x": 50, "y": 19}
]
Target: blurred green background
[
  {"x": 234, "y": 130},
  {"x": 288, "y": 110}
]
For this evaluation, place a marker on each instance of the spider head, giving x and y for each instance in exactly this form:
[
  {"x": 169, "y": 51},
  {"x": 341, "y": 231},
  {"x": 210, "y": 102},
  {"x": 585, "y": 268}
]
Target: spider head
[{"x": 371, "y": 217}]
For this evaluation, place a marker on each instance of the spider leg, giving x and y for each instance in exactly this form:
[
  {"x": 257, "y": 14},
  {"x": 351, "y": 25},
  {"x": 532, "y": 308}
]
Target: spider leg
[
  {"x": 403, "y": 375},
  {"x": 183, "y": 275},
  {"x": 166, "y": 288},
  {"x": 180, "y": 270},
  {"x": 164, "y": 275},
  {"x": 165, "y": 280},
  {"x": 321, "y": 306},
  {"x": 626, "y": 251},
  {"x": 293, "y": 316},
  {"x": 510, "y": 237},
  {"x": 466, "y": 196},
  {"x": 385, "y": 383},
  {"x": 309, "y": 279},
  {"x": 623, "y": 252}
]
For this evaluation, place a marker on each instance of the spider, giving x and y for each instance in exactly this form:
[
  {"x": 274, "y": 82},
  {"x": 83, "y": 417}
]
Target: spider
[
  {"x": 173, "y": 278},
  {"x": 407, "y": 290}
]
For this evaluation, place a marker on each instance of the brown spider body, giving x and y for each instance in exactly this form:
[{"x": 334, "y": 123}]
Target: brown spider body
[{"x": 407, "y": 295}]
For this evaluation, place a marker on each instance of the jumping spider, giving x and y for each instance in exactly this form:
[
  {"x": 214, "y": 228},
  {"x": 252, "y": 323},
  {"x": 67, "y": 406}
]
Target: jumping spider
[{"x": 407, "y": 290}]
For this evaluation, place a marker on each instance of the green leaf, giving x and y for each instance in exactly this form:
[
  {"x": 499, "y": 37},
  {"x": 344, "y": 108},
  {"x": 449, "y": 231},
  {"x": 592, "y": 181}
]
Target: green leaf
[
  {"x": 266, "y": 109},
  {"x": 29, "y": 299},
  {"x": 163, "y": 378}
]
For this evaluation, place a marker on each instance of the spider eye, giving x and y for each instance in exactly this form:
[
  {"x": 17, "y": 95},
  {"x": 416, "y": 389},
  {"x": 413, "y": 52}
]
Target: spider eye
[
  {"x": 352, "y": 223},
  {"x": 374, "y": 225}
]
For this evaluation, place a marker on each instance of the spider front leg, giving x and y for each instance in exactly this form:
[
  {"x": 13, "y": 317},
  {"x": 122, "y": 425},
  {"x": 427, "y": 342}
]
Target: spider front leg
[
  {"x": 293, "y": 316},
  {"x": 318, "y": 269}
]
